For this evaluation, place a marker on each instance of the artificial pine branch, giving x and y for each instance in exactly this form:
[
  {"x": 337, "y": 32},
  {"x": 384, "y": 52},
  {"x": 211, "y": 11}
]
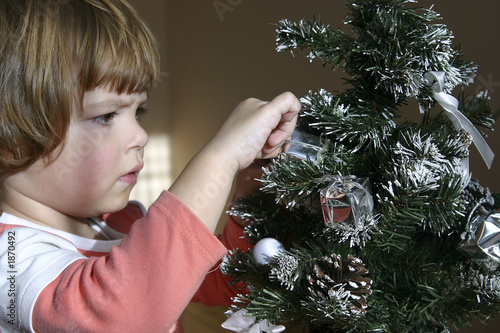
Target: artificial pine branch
[
  {"x": 424, "y": 200},
  {"x": 478, "y": 110}
]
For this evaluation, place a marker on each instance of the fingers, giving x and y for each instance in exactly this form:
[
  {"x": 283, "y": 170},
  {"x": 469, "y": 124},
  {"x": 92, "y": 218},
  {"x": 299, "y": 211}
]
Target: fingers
[
  {"x": 289, "y": 106},
  {"x": 282, "y": 133},
  {"x": 260, "y": 128}
]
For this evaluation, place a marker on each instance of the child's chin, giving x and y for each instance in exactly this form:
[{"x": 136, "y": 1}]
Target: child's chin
[
  {"x": 115, "y": 205},
  {"x": 121, "y": 205}
]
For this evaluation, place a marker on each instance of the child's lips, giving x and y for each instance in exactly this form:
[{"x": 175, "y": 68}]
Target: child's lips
[{"x": 131, "y": 177}]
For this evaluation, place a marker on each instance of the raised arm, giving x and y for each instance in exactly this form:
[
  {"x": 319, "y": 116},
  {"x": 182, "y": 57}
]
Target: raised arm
[{"x": 254, "y": 130}]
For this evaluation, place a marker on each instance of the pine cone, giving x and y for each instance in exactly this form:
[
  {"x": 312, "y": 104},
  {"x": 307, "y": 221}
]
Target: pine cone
[
  {"x": 474, "y": 194},
  {"x": 335, "y": 274}
]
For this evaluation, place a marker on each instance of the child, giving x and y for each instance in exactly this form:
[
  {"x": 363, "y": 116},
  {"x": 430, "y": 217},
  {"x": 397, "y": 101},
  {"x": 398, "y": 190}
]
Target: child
[{"x": 75, "y": 255}]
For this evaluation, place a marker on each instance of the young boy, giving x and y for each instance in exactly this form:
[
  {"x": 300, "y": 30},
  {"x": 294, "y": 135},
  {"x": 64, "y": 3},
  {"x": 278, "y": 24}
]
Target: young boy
[{"x": 75, "y": 255}]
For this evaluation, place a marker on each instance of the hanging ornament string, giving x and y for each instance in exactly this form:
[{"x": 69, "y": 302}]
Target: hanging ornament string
[{"x": 450, "y": 105}]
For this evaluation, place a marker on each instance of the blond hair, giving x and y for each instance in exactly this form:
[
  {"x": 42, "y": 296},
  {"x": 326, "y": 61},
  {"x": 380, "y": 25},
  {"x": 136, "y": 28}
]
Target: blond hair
[{"x": 51, "y": 52}]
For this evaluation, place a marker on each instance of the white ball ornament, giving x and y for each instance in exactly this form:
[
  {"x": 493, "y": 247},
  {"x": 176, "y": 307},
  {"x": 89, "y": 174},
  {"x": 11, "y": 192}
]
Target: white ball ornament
[{"x": 266, "y": 249}]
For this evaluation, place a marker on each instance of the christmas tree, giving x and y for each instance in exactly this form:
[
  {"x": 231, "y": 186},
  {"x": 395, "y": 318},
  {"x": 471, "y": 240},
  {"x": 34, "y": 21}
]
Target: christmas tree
[{"x": 371, "y": 222}]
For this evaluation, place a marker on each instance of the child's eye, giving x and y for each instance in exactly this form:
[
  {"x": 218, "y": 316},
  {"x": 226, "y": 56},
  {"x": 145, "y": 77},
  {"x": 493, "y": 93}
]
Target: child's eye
[
  {"x": 105, "y": 119},
  {"x": 141, "y": 111}
]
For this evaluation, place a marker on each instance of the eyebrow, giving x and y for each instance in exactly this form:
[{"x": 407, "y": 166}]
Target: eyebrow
[{"x": 116, "y": 102}]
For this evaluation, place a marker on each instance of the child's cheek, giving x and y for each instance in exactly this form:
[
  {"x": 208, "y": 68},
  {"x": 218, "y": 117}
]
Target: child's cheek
[
  {"x": 90, "y": 163},
  {"x": 101, "y": 165}
]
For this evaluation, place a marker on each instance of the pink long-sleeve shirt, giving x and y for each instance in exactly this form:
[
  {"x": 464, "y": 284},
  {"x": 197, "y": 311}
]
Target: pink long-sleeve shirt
[{"x": 141, "y": 283}]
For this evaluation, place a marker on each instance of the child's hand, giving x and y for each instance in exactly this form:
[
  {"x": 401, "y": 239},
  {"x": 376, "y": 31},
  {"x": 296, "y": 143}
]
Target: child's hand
[
  {"x": 257, "y": 129},
  {"x": 254, "y": 130}
]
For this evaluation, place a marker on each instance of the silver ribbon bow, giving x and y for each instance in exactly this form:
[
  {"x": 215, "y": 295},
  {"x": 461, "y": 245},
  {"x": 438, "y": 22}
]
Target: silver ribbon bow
[
  {"x": 482, "y": 240},
  {"x": 450, "y": 105},
  {"x": 240, "y": 322}
]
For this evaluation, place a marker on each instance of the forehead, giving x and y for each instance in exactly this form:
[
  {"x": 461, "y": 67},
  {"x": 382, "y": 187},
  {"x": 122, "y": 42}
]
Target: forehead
[{"x": 99, "y": 98}]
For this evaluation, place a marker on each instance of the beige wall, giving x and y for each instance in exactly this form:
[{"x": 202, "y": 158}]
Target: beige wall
[{"x": 214, "y": 60}]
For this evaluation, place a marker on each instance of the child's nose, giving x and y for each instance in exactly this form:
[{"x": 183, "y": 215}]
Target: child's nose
[{"x": 139, "y": 137}]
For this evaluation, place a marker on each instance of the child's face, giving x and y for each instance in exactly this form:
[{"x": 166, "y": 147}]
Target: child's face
[{"x": 99, "y": 162}]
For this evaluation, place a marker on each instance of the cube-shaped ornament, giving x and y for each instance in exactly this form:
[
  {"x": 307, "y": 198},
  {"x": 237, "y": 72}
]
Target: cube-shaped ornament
[
  {"x": 303, "y": 146},
  {"x": 346, "y": 200}
]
